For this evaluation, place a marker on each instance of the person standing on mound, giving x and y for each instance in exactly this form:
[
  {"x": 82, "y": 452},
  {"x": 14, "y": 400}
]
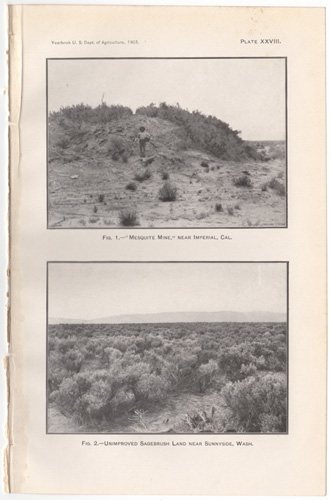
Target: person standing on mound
[{"x": 143, "y": 137}]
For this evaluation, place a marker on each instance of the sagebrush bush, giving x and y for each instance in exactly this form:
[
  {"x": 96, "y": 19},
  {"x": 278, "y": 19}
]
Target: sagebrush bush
[
  {"x": 143, "y": 176},
  {"x": 277, "y": 186},
  {"x": 218, "y": 207},
  {"x": 254, "y": 400},
  {"x": 132, "y": 186},
  {"x": 165, "y": 176},
  {"x": 168, "y": 192},
  {"x": 129, "y": 217},
  {"x": 116, "y": 144},
  {"x": 243, "y": 181}
]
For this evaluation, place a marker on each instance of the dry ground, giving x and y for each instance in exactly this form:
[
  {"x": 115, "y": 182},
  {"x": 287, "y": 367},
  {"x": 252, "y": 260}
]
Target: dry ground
[
  {"x": 165, "y": 419},
  {"x": 88, "y": 189}
]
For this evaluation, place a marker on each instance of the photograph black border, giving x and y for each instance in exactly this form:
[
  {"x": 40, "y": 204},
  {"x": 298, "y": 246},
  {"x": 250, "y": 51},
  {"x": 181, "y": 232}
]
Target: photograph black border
[
  {"x": 181, "y": 433},
  {"x": 166, "y": 228}
]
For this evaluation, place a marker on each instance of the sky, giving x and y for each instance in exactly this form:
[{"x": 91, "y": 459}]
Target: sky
[
  {"x": 98, "y": 290},
  {"x": 248, "y": 94}
]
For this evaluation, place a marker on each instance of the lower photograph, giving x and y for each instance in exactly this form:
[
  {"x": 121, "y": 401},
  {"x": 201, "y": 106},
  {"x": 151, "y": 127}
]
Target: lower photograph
[{"x": 167, "y": 348}]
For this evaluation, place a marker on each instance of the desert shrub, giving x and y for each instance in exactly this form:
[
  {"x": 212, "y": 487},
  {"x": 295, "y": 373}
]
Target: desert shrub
[
  {"x": 234, "y": 361},
  {"x": 168, "y": 192},
  {"x": 230, "y": 210},
  {"x": 131, "y": 186},
  {"x": 129, "y": 218},
  {"x": 143, "y": 176},
  {"x": 206, "y": 132},
  {"x": 105, "y": 113},
  {"x": 85, "y": 113},
  {"x": 243, "y": 181},
  {"x": 218, "y": 207},
  {"x": 77, "y": 113},
  {"x": 165, "y": 176},
  {"x": 101, "y": 198},
  {"x": 207, "y": 374},
  {"x": 257, "y": 404},
  {"x": 116, "y": 145},
  {"x": 277, "y": 186}
]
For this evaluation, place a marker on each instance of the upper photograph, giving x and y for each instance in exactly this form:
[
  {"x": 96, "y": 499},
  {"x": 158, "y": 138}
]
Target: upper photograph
[{"x": 166, "y": 143}]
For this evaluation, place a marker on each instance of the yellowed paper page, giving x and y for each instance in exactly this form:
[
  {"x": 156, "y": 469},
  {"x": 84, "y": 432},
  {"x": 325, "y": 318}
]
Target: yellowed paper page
[{"x": 168, "y": 250}]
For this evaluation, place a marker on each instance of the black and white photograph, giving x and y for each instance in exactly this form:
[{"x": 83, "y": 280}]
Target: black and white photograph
[
  {"x": 167, "y": 143},
  {"x": 167, "y": 347}
]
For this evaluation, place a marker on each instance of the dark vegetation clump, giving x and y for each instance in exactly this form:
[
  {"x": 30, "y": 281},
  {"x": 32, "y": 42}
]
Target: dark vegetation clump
[
  {"x": 243, "y": 181},
  {"x": 85, "y": 113},
  {"x": 165, "y": 176},
  {"x": 218, "y": 207},
  {"x": 118, "y": 148},
  {"x": 277, "y": 186},
  {"x": 168, "y": 192},
  {"x": 143, "y": 176},
  {"x": 129, "y": 218},
  {"x": 101, "y": 198},
  {"x": 71, "y": 124},
  {"x": 206, "y": 132},
  {"x": 99, "y": 375},
  {"x": 132, "y": 186}
]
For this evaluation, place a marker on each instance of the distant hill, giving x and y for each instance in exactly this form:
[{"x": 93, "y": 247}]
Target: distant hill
[{"x": 182, "y": 317}]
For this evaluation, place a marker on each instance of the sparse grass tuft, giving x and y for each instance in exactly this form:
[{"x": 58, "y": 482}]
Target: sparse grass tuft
[
  {"x": 95, "y": 209},
  {"x": 108, "y": 222},
  {"x": 101, "y": 198},
  {"x": 218, "y": 207},
  {"x": 129, "y": 217},
  {"x": 82, "y": 222},
  {"x": 132, "y": 186},
  {"x": 237, "y": 206},
  {"x": 168, "y": 192},
  {"x": 243, "y": 181},
  {"x": 143, "y": 176},
  {"x": 277, "y": 186},
  {"x": 93, "y": 220},
  {"x": 165, "y": 176},
  {"x": 230, "y": 210},
  {"x": 202, "y": 215}
]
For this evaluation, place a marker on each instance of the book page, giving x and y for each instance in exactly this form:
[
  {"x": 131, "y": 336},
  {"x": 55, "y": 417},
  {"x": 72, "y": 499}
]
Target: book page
[{"x": 167, "y": 251}]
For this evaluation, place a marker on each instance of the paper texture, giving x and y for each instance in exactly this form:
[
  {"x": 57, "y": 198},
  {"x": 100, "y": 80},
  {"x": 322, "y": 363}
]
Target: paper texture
[{"x": 209, "y": 229}]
